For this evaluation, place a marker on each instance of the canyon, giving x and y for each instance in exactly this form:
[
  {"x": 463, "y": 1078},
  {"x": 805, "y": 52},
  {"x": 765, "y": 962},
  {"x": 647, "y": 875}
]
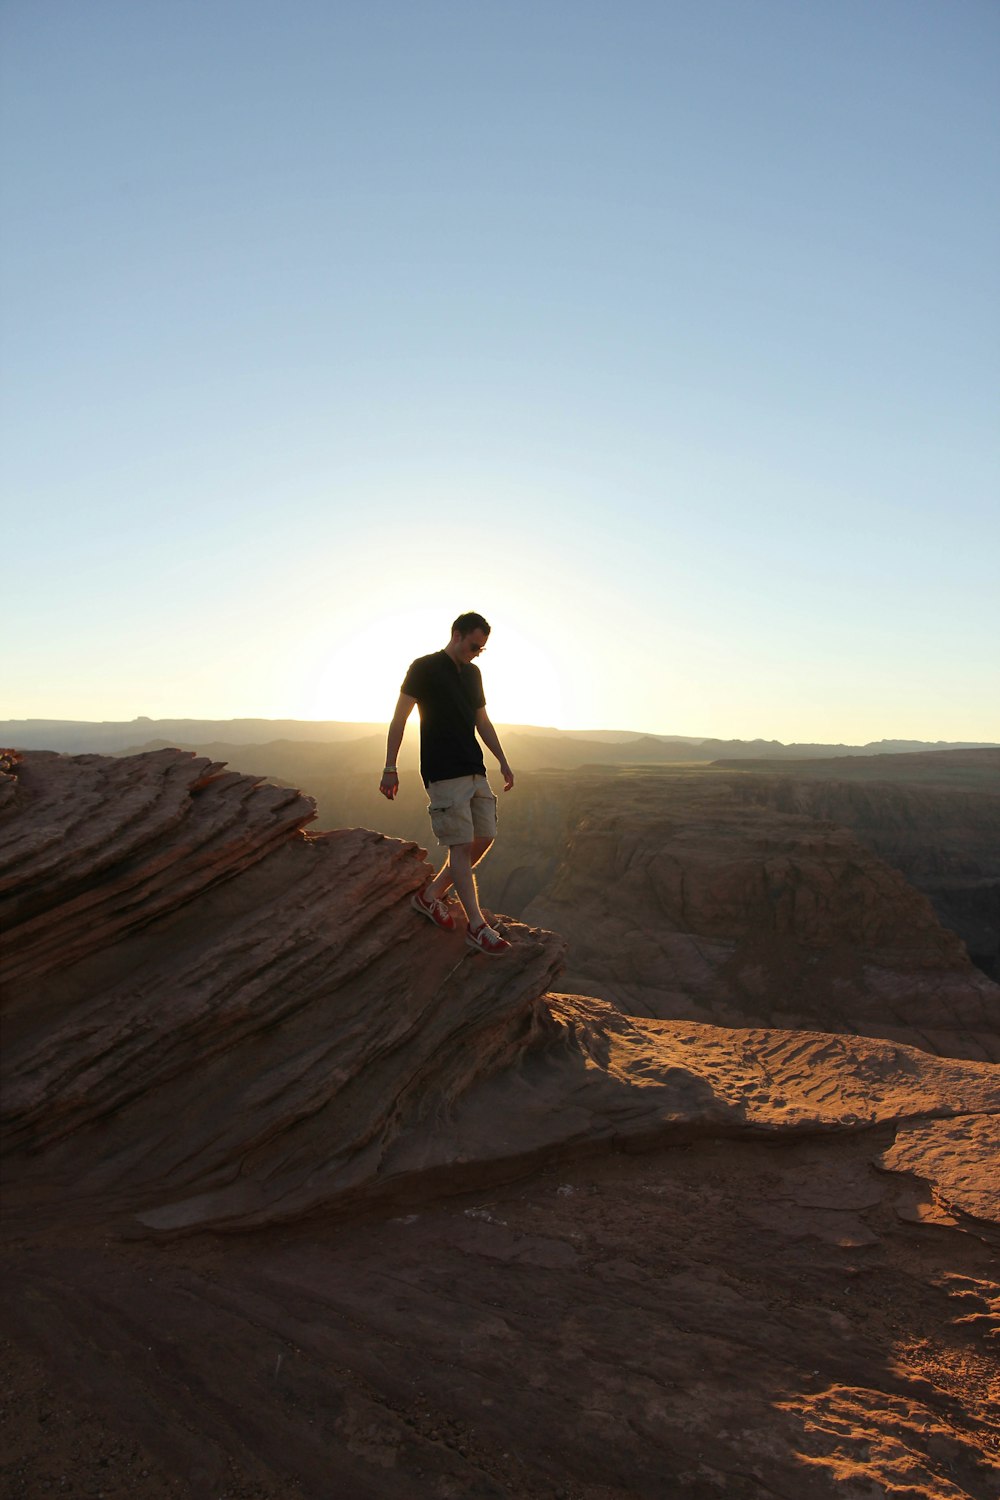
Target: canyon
[
  {"x": 932, "y": 815},
  {"x": 932, "y": 818},
  {"x": 693, "y": 1193}
]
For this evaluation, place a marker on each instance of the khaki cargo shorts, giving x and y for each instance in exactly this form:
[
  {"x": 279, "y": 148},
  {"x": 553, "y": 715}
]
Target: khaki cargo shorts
[{"x": 462, "y": 809}]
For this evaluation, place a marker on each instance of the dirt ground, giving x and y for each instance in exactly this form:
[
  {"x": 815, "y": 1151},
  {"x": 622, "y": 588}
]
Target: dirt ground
[{"x": 731, "y": 1318}]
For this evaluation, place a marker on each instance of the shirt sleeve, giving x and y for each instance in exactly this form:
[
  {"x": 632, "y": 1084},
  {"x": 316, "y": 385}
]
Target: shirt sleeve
[{"x": 415, "y": 679}]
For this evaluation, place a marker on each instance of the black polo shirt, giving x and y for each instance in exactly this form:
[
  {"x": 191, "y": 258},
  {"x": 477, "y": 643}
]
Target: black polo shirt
[{"x": 447, "y": 696}]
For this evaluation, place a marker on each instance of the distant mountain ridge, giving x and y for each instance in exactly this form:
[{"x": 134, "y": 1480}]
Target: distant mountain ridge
[
  {"x": 79, "y": 736},
  {"x": 557, "y": 746}
]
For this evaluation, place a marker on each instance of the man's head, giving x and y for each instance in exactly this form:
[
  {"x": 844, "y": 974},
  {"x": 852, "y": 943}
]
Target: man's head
[{"x": 469, "y": 634}]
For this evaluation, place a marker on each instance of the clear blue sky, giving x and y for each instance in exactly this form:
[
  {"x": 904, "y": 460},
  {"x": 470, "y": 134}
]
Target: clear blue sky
[{"x": 666, "y": 334}]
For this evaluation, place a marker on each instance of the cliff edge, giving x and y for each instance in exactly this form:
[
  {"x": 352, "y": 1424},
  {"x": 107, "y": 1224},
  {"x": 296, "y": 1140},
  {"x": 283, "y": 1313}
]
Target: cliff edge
[
  {"x": 213, "y": 1019},
  {"x": 217, "y": 1021}
]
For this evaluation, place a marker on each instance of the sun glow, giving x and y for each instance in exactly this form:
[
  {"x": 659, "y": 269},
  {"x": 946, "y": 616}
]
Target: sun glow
[
  {"x": 521, "y": 679},
  {"x": 357, "y": 677}
]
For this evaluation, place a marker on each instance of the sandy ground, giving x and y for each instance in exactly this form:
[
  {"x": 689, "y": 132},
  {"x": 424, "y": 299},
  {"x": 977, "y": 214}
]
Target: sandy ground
[
  {"x": 245, "y": 1089},
  {"x": 730, "y": 1318}
]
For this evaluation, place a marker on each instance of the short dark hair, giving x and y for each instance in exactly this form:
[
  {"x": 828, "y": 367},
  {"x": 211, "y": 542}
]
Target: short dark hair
[{"x": 466, "y": 624}]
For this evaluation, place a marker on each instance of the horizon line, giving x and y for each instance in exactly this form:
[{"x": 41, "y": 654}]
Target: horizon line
[{"x": 507, "y": 725}]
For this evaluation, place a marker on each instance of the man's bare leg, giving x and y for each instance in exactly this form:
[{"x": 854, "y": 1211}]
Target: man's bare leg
[
  {"x": 444, "y": 880},
  {"x": 458, "y": 872}
]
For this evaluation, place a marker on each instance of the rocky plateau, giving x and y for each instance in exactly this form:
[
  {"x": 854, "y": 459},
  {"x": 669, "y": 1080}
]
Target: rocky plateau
[{"x": 302, "y": 1198}]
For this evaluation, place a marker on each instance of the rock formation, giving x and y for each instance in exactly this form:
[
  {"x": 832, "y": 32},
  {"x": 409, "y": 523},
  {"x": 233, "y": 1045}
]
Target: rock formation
[
  {"x": 184, "y": 953},
  {"x": 932, "y": 818},
  {"x": 935, "y": 818},
  {"x": 492, "y": 1240},
  {"x": 707, "y": 896}
]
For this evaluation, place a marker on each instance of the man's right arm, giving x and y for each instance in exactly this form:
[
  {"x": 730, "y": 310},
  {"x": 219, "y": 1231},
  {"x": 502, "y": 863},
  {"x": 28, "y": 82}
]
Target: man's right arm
[{"x": 389, "y": 784}]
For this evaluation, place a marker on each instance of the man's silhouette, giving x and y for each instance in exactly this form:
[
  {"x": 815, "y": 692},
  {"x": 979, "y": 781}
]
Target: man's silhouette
[{"x": 448, "y": 690}]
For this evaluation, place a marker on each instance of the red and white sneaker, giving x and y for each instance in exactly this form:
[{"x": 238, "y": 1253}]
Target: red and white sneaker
[
  {"x": 435, "y": 911},
  {"x": 486, "y": 939}
]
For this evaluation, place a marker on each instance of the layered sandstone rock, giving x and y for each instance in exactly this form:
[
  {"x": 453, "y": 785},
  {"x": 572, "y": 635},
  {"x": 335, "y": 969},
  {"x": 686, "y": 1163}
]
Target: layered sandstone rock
[
  {"x": 213, "y": 1017},
  {"x": 495, "y": 1240},
  {"x": 696, "y": 895},
  {"x": 938, "y": 823},
  {"x": 934, "y": 817}
]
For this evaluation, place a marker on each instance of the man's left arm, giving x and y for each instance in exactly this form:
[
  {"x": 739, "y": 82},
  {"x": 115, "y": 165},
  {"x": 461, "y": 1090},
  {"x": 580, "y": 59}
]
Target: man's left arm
[{"x": 491, "y": 740}]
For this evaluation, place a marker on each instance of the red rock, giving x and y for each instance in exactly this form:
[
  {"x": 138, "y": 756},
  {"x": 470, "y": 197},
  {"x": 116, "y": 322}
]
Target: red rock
[
  {"x": 215, "y": 1020},
  {"x": 695, "y": 896},
  {"x": 191, "y": 956}
]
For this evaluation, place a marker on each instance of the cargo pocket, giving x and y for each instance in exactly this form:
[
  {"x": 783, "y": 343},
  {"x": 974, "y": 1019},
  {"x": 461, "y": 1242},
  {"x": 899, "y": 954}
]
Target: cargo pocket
[{"x": 442, "y": 814}]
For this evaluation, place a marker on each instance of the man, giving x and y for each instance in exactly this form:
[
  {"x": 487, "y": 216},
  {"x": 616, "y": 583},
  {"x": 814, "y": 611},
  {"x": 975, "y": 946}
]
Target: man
[{"x": 449, "y": 692}]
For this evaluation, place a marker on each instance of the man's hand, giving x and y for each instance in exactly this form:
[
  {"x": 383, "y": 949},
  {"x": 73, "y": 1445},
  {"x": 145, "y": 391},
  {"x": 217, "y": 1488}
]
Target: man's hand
[
  {"x": 389, "y": 785},
  {"x": 507, "y": 774}
]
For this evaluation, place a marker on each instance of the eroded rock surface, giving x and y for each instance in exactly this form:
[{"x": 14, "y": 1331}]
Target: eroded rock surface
[
  {"x": 935, "y": 818},
  {"x": 831, "y": 933},
  {"x": 212, "y": 1018},
  {"x": 698, "y": 896},
  {"x": 494, "y": 1240},
  {"x": 722, "y": 1318}
]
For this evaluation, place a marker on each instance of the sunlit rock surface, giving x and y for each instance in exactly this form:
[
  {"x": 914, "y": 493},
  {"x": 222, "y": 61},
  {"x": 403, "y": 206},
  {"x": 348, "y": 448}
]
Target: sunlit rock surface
[{"x": 492, "y": 1240}]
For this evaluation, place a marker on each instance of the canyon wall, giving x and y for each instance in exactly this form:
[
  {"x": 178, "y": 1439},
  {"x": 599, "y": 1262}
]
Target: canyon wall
[
  {"x": 945, "y": 838},
  {"x": 706, "y": 896}
]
